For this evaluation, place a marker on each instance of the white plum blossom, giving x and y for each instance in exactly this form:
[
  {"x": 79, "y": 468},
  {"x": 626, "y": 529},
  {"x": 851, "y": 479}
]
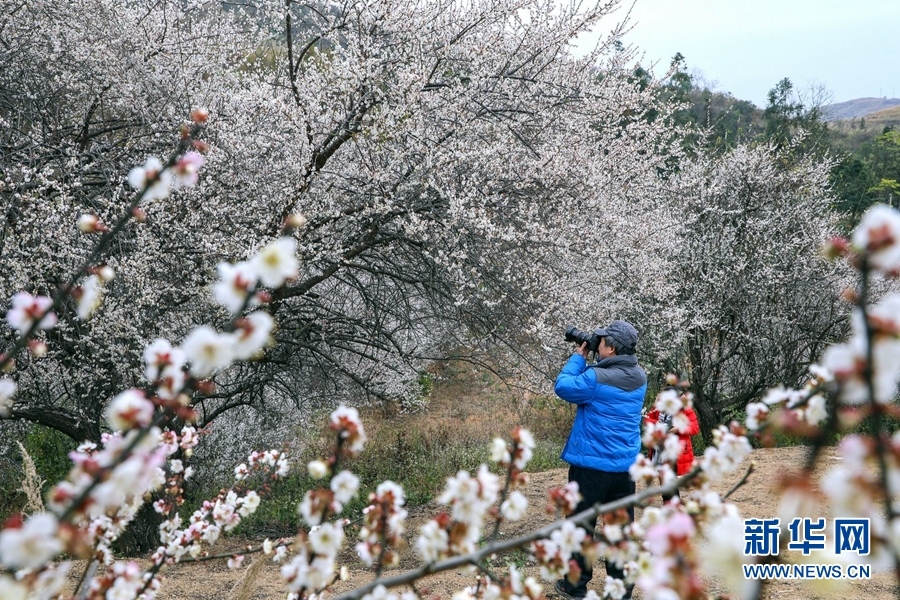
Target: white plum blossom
[
  {"x": 724, "y": 554},
  {"x": 756, "y": 414},
  {"x": 392, "y": 490},
  {"x": 848, "y": 361},
  {"x": 7, "y": 393},
  {"x": 380, "y": 593},
  {"x": 249, "y": 503},
  {"x": 613, "y": 588},
  {"x": 642, "y": 469},
  {"x": 680, "y": 422},
  {"x": 208, "y": 351},
  {"x": 776, "y": 395},
  {"x": 308, "y": 510},
  {"x": 815, "y": 411},
  {"x": 327, "y": 539},
  {"x": 127, "y": 581},
  {"x": 31, "y": 545},
  {"x": 88, "y": 223},
  {"x": 161, "y": 356},
  {"x": 252, "y": 334},
  {"x": 236, "y": 283},
  {"x": 317, "y": 469},
  {"x": 277, "y": 262},
  {"x": 433, "y": 541},
  {"x": 26, "y": 309},
  {"x": 186, "y": 169},
  {"x": 90, "y": 299},
  {"x": 672, "y": 448},
  {"x": 470, "y": 497},
  {"x": 514, "y": 507},
  {"x": 568, "y": 538},
  {"x": 499, "y": 451},
  {"x": 847, "y": 366},
  {"x": 720, "y": 460},
  {"x": 668, "y": 402},
  {"x": 130, "y": 409},
  {"x": 878, "y": 233},
  {"x": 320, "y": 572},
  {"x": 345, "y": 486},
  {"x": 141, "y": 177},
  {"x": 345, "y": 420},
  {"x": 295, "y": 573}
]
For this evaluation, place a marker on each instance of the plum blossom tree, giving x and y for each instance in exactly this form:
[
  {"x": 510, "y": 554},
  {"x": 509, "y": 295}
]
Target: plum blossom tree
[
  {"x": 111, "y": 480},
  {"x": 759, "y": 301},
  {"x": 447, "y": 158},
  {"x": 443, "y": 152}
]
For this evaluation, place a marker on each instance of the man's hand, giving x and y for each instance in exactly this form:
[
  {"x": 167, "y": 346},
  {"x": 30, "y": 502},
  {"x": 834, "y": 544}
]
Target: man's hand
[{"x": 583, "y": 351}]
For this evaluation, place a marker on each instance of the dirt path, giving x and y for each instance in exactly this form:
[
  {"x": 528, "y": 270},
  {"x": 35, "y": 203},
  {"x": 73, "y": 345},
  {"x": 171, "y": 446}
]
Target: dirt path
[{"x": 213, "y": 581}]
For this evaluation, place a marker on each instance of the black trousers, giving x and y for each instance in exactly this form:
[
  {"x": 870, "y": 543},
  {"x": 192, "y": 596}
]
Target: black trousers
[{"x": 597, "y": 486}]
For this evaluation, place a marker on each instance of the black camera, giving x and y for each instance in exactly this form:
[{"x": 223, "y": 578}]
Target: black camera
[{"x": 583, "y": 337}]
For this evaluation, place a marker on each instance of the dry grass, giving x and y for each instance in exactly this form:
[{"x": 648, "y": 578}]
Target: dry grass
[
  {"x": 31, "y": 484},
  {"x": 248, "y": 581}
]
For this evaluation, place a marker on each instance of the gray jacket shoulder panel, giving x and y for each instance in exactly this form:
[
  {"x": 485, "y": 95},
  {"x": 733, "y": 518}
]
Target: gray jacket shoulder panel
[{"x": 622, "y": 372}]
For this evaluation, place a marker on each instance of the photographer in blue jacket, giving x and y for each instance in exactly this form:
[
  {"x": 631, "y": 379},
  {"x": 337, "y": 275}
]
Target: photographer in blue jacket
[{"x": 606, "y": 435}]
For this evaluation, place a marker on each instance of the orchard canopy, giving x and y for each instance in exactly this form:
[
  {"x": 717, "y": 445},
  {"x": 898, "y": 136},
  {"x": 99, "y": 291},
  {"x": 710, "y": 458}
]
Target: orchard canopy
[{"x": 469, "y": 186}]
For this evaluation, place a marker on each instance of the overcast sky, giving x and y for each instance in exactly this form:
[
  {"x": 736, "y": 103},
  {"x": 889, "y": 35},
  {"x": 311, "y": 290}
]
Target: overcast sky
[{"x": 747, "y": 46}]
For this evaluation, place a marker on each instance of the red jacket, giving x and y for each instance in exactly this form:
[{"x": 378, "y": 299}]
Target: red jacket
[{"x": 686, "y": 458}]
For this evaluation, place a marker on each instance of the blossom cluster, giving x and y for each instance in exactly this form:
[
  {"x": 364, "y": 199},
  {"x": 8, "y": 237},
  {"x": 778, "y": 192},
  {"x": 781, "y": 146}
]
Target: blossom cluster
[
  {"x": 471, "y": 500},
  {"x": 221, "y": 514}
]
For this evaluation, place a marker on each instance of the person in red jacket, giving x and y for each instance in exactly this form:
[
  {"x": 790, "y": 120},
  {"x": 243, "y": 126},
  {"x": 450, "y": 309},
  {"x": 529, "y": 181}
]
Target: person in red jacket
[{"x": 686, "y": 458}]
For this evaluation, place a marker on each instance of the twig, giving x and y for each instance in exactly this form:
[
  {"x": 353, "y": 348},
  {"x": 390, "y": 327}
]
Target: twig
[
  {"x": 740, "y": 483},
  {"x": 479, "y": 555}
]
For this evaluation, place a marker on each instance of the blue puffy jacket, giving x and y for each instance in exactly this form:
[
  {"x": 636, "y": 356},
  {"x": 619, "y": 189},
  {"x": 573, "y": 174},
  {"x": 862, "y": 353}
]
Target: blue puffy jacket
[{"x": 606, "y": 434}]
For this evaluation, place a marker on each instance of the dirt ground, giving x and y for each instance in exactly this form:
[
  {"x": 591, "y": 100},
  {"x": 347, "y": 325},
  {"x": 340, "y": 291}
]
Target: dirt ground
[{"x": 214, "y": 581}]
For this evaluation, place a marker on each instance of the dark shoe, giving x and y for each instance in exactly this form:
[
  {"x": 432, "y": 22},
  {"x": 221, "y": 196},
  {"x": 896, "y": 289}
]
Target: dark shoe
[{"x": 561, "y": 586}]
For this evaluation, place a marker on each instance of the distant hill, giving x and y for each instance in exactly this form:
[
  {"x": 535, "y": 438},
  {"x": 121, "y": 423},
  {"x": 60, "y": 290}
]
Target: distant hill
[
  {"x": 860, "y": 107},
  {"x": 887, "y": 116}
]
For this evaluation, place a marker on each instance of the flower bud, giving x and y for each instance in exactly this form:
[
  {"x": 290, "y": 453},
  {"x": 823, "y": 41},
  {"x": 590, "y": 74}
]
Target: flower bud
[
  {"x": 836, "y": 247},
  {"x": 90, "y": 224},
  {"x": 295, "y": 221},
  {"x": 317, "y": 469},
  {"x": 849, "y": 295},
  {"x": 37, "y": 348},
  {"x": 106, "y": 273},
  {"x": 199, "y": 146},
  {"x": 199, "y": 115},
  {"x": 671, "y": 379},
  {"x": 139, "y": 214}
]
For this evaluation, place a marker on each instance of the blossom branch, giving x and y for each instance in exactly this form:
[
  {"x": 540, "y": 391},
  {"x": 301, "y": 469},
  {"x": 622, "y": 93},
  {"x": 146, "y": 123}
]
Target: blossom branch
[{"x": 496, "y": 547}]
